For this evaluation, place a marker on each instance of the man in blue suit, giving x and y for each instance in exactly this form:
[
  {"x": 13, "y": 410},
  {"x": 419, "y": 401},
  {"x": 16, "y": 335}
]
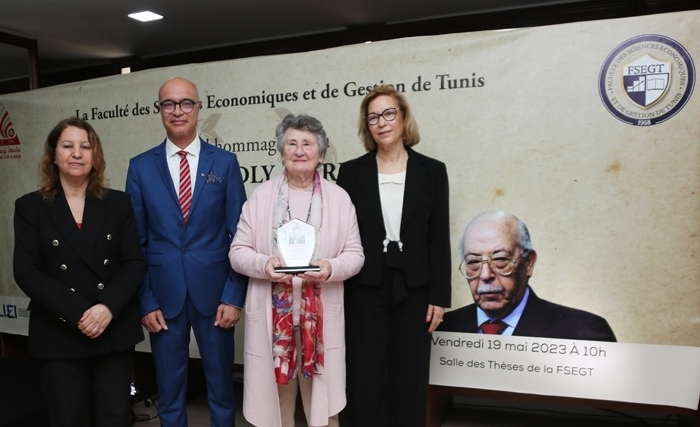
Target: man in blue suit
[{"x": 187, "y": 196}]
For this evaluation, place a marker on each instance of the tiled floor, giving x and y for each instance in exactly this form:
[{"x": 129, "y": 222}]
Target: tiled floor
[{"x": 466, "y": 413}]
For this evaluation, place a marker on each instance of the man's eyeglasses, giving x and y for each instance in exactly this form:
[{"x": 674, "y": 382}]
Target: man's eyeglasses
[
  {"x": 499, "y": 263},
  {"x": 389, "y": 115},
  {"x": 186, "y": 105}
]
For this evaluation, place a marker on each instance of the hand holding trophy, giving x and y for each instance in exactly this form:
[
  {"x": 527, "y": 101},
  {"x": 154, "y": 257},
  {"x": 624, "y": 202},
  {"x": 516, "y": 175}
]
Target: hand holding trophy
[{"x": 296, "y": 241}]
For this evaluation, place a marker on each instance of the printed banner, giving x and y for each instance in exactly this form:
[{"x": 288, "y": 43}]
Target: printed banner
[{"x": 581, "y": 369}]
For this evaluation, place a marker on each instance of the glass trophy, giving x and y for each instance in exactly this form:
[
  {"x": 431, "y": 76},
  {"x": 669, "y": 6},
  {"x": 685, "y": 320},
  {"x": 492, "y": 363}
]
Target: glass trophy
[{"x": 296, "y": 241}]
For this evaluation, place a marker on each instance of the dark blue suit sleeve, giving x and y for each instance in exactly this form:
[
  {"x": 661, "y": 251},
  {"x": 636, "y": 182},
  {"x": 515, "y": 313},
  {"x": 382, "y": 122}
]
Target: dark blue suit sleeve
[
  {"x": 147, "y": 301},
  {"x": 236, "y": 285}
]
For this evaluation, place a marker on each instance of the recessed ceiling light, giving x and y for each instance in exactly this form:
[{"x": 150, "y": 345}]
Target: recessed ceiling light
[{"x": 145, "y": 16}]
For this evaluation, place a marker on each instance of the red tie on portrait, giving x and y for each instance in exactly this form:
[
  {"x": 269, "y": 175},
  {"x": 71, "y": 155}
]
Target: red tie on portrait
[
  {"x": 493, "y": 327},
  {"x": 185, "y": 185}
]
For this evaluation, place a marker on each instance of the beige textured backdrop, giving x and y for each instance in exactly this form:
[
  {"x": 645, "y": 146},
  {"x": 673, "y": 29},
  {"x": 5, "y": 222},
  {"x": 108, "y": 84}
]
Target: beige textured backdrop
[{"x": 612, "y": 208}]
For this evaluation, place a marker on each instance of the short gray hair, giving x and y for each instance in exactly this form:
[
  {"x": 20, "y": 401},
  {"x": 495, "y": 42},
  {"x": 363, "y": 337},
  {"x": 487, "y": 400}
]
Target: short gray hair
[
  {"x": 524, "y": 240},
  {"x": 302, "y": 122}
]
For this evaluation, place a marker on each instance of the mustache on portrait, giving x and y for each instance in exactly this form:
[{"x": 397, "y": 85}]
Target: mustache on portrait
[{"x": 486, "y": 288}]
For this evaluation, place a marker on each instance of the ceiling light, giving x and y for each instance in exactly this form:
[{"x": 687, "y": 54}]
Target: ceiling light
[{"x": 145, "y": 16}]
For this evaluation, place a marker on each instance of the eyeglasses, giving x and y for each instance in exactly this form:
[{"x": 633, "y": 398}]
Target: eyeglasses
[
  {"x": 389, "y": 115},
  {"x": 186, "y": 105},
  {"x": 499, "y": 263}
]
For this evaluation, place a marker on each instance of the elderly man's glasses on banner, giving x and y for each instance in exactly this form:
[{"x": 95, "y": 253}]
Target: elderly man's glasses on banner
[{"x": 500, "y": 263}]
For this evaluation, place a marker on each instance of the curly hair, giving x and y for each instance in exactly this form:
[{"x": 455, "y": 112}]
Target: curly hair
[
  {"x": 411, "y": 136},
  {"x": 48, "y": 170},
  {"x": 302, "y": 122}
]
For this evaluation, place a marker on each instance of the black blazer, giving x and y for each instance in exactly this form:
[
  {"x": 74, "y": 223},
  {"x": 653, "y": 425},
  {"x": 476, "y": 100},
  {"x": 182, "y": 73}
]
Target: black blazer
[
  {"x": 425, "y": 222},
  {"x": 540, "y": 318},
  {"x": 65, "y": 271}
]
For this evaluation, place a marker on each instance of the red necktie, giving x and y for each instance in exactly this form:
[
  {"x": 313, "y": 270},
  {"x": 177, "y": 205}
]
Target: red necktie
[
  {"x": 494, "y": 327},
  {"x": 185, "y": 185}
]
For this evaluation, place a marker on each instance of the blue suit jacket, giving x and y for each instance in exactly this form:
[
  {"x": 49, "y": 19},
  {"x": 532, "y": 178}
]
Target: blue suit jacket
[{"x": 187, "y": 258}]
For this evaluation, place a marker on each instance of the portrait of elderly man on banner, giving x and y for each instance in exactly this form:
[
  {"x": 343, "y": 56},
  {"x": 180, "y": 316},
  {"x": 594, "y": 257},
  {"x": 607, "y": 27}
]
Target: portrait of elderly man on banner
[{"x": 498, "y": 260}]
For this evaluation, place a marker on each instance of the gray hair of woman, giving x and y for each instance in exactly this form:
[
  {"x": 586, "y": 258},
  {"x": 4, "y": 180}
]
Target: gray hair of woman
[{"x": 302, "y": 122}]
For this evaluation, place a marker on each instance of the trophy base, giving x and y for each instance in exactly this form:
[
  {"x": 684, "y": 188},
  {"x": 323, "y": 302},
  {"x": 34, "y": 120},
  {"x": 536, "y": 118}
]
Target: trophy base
[{"x": 297, "y": 269}]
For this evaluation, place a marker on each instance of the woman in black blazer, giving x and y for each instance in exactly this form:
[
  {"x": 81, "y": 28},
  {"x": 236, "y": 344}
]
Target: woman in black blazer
[
  {"x": 78, "y": 258},
  {"x": 399, "y": 297}
]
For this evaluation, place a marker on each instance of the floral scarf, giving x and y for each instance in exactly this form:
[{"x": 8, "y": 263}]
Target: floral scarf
[{"x": 284, "y": 349}]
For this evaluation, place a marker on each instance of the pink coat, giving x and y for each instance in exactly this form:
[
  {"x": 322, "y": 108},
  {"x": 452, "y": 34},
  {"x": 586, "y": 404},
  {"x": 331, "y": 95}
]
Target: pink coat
[{"x": 251, "y": 248}]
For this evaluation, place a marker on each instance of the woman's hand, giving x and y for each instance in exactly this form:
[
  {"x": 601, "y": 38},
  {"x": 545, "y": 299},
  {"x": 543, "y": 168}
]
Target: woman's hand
[
  {"x": 273, "y": 276},
  {"x": 319, "y": 276},
  {"x": 434, "y": 317},
  {"x": 95, "y": 320}
]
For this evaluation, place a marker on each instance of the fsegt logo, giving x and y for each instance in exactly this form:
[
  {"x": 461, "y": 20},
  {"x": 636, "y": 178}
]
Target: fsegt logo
[{"x": 646, "y": 80}]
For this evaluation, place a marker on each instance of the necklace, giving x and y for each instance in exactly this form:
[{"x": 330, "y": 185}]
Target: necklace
[{"x": 308, "y": 214}]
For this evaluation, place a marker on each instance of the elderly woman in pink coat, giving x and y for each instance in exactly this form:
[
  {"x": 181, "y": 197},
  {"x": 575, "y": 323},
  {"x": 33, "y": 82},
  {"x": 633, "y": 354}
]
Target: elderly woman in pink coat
[{"x": 294, "y": 322}]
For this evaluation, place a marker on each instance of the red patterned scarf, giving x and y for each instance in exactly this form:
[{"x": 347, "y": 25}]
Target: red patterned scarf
[{"x": 284, "y": 349}]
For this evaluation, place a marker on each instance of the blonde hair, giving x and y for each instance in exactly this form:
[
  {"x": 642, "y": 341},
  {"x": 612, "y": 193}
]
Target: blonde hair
[{"x": 411, "y": 136}]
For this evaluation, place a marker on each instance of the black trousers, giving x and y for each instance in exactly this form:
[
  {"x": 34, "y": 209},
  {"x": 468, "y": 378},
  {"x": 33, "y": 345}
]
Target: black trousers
[
  {"x": 388, "y": 354},
  {"x": 90, "y": 391}
]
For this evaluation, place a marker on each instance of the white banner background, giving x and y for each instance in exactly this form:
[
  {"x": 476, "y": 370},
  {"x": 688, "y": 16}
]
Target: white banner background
[{"x": 582, "y": 369}]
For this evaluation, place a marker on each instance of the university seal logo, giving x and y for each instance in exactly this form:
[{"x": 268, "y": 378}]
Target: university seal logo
[{"x": 646, "y": 80}]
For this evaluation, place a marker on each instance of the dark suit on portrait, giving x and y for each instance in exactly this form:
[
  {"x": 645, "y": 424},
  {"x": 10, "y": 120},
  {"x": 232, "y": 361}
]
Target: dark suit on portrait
[
  {"x": 189, "y": 273},
  {"x": 65, "y": 270},
  {"x": 539, "y": 319},
  {"x": 426, "y": 261}
]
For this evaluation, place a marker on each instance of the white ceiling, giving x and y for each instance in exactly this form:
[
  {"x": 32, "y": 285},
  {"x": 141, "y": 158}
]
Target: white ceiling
[{"x": 79, "y": 33}]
